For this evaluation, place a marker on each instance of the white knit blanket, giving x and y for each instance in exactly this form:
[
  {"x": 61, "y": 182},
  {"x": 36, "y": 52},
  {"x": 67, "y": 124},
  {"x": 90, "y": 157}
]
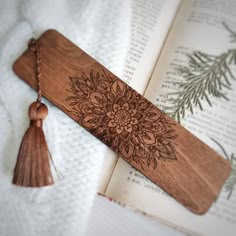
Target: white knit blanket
[{"x": 101, "y": 29}]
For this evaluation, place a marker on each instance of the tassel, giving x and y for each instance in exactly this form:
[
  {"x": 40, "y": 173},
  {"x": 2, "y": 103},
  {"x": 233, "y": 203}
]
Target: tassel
[{"x": 33, "y": 162}]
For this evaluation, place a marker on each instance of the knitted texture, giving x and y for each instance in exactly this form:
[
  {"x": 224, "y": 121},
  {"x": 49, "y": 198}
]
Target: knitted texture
[{"x": 101, "y": 29}]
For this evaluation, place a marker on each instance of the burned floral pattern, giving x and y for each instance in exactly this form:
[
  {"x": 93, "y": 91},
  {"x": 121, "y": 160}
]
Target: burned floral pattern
[{"x": 121, "y": 118}]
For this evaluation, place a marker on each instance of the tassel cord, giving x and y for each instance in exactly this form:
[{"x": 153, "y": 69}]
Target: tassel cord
[{"x": 36, "y": 49}]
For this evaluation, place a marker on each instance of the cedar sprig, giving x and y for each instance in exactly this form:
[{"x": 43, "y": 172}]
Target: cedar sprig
[
  {"x": 232, "y": 33},
  {"x": 205, "y": 76},
  {"x": 231, "y": 181}
]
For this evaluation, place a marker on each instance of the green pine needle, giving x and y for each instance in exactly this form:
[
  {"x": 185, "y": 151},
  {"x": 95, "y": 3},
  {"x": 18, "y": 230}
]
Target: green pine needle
[
  {"x": 232, "y": 33},
  {"x": 231, "y": 181}
]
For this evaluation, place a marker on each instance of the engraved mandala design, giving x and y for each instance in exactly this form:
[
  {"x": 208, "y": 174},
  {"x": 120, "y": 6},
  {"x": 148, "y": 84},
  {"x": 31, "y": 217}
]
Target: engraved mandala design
[{"x": 121, "y": 118}]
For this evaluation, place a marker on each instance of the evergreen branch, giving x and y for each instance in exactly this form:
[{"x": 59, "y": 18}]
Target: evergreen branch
[
  {"x": 205, "y": 76},
  {"x": 232, "y": 33},
  {"x": 231, "y": 181},
  {"x": 222, "y": 149}
]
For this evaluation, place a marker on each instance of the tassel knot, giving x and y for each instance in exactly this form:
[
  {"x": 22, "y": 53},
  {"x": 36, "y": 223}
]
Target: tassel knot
[{"x": 38, "y": 111}]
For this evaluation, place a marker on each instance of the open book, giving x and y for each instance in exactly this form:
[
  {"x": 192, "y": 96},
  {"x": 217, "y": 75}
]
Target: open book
[{"x": 182, "y": 57}]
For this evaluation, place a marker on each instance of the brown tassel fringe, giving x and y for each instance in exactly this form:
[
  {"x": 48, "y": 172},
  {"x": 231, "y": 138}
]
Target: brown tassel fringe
[{"x": 33, "y": 162}]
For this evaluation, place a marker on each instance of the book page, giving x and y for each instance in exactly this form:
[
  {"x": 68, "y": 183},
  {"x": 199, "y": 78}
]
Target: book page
[
  {"x": 150, "y": 22},
  {"x": 199, "y": 91}
]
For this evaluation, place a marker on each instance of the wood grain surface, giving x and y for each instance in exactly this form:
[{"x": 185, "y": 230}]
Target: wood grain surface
[{"x": 130, "y": 125}]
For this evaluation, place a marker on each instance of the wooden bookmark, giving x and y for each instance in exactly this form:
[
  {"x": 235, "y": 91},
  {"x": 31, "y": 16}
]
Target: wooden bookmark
[{"x": 125, "y": 121}]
